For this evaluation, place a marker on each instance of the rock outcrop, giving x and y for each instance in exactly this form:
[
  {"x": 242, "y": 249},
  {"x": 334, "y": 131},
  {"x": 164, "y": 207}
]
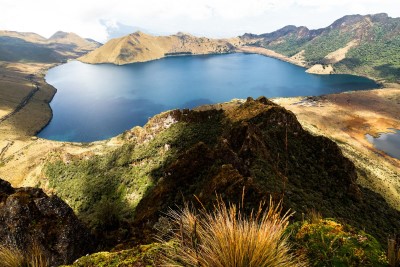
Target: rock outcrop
[{"x": 28, "y": 217}]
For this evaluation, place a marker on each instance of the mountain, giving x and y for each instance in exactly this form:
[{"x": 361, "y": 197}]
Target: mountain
[
  {"x": 365, "y": 45},
  {"x": 27, "y": 36},
  {"x": 31, "y": 47},
  {"x": 78, "y": 43},
  {"x": 140, "y": 47},
  {"x": 255, "y": 147}
]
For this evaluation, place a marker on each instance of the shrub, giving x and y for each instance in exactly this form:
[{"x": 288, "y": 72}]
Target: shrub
[
  {"x": 226, "y": 237},
  {"x": 328, "y": 243}
]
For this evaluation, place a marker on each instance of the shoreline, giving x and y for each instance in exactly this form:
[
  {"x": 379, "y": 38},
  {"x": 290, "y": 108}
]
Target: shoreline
[
  {"x": 24, "y": 159},
  {"x": 242, "y": 49},
  {"x": 269, "y": 53}
]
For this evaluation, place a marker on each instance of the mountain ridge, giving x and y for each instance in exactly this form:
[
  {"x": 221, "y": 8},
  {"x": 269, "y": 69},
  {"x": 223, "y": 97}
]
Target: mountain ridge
[
  {"x": 31, "y": 47},
  {"x": 366, "y": 45},
  {"x": 374, "y": 50}
]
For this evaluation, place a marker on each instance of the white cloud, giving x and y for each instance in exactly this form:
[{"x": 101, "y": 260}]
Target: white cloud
[{"x": 205, "y": 17}]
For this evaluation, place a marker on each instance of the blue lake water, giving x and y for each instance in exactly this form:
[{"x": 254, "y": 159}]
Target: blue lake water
[
  {"x": 95, "y": 102},
  {"x": 387, "y": 142}
]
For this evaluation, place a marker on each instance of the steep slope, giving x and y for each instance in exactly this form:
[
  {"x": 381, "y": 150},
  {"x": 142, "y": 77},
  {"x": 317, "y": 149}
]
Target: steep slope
[
  {"x": 365, "y": 45},
  {"x": 140, "y": 47},
  {"x": 255, "y": 146}
]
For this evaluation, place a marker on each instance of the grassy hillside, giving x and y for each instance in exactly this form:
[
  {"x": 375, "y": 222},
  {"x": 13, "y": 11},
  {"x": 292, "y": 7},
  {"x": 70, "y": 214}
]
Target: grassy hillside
[
  {"x": 256, "y": 146},
  {"x": 376, "y": 53},
  {"x": 141, "y": 47}
]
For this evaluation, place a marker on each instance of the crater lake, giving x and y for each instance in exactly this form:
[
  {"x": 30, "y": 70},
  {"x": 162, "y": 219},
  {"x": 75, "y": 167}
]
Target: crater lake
[{"x": 95, "y": 102}]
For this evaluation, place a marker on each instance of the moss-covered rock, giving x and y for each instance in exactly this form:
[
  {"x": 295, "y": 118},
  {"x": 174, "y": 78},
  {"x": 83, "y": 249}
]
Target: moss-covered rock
[
  {"x": 329, "y": 243},
  {"x": 140, "y": 256}
]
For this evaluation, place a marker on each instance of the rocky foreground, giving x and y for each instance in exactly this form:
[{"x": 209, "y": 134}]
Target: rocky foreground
[{"x": 31, "y": 220}]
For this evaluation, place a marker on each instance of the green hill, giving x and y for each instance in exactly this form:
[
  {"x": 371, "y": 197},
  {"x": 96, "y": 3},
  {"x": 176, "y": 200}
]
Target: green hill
[
  {"x": 255, "y": 146},
  {"x": 375, "y": 53}
]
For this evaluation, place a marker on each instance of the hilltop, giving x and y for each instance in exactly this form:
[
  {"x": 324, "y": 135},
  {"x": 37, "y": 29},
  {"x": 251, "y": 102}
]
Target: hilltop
[
  {"x": 364, "y": 45},
  {"x": 141, "y": 47}
]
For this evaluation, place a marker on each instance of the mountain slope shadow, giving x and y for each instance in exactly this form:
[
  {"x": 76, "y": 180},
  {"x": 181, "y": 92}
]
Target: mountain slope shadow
[
  {"x": 256, "y": 146},
  {"x": 264, "y": 151}
]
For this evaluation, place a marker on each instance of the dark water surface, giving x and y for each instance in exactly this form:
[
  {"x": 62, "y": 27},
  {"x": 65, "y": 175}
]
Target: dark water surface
[
  {"x": 95, "y": 102},
  {"x": 387, "y": 142}
]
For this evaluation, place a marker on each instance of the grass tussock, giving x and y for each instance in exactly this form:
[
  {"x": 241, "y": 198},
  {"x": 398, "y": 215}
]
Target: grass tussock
[
  {"x": 227, "y": 237},
  {"x": 13, "y": 257}
]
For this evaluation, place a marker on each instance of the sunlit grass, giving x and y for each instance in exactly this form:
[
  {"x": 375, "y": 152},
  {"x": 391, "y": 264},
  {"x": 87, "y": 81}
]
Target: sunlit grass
[
  {"x": 227, "y": 237},
  {"x": 13, "y": 257}
]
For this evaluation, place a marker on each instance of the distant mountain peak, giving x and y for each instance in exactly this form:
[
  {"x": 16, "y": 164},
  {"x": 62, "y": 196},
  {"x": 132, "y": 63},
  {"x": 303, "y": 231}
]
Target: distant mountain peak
[{"x": 59, "y": 35}]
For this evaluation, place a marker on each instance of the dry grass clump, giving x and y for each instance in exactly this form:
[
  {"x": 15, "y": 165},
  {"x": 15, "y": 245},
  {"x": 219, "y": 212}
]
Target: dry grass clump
[
  {"x": 13, "y": 257},
  {"x": 226, "y": 237}
]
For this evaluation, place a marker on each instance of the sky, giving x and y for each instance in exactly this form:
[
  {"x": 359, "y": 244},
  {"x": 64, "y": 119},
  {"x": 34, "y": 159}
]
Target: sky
[{"x": 212, "y": 18}]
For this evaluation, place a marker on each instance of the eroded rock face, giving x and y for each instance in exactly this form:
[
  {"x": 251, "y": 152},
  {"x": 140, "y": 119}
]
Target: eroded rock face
[{"x": 28, "y": 216}]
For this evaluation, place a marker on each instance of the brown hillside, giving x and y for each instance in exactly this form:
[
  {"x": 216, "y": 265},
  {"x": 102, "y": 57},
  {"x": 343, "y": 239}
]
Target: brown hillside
[{"x": 141, "y": 47}]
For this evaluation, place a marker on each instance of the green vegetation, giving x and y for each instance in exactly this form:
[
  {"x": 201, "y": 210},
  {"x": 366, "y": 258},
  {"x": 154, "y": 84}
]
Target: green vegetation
[
  {"x": 105, "y": 189},
  {"x": 376, "y": 55},
  {"x": 315, "y": 49},
  {"x": 290, "y": 46},
  {"x": 257, "y": 145},
  {"x": 319, "y": 47},
  {"x": 328, "y": 243},
  {"x": 226, "y": 237},
  {"x": 380, "y": 58},
  {"x": 144, "y": 255}
]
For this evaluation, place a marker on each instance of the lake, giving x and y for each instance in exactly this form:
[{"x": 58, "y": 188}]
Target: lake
[
  {"x": 387, "y": 142},
  {"x": 95, "y": 102}
]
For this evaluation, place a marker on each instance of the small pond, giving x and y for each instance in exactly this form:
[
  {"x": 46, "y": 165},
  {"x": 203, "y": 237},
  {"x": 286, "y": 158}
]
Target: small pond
[{"x": 387, "y": 142}]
